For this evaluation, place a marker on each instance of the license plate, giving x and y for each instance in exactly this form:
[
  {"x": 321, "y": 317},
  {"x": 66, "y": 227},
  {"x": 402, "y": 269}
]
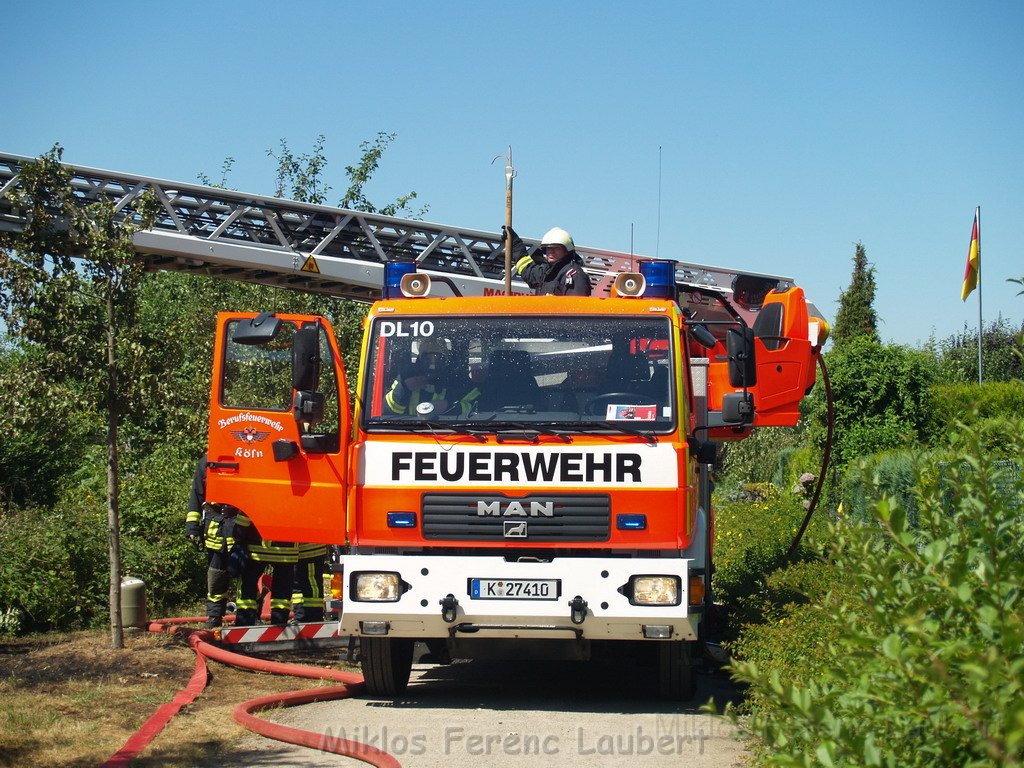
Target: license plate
[{"x": 514, "y": 589}]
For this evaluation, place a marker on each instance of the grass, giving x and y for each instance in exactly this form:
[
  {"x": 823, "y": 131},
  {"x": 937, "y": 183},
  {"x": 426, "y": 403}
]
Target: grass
[{"x": 71, "y": 700}]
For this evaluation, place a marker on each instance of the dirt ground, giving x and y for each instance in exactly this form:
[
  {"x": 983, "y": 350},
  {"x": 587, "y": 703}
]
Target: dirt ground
[{"x": 72, "y": 700}]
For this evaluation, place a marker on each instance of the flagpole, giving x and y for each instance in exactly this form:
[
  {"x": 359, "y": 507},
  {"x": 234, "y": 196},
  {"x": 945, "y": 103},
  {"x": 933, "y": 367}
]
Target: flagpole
[{"x": 977, "y": 216}]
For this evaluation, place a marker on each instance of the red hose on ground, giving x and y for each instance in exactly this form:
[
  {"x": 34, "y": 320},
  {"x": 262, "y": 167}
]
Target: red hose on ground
[
  {"x": 243, "y": 713},
  {"x": 149, "y": 730}
]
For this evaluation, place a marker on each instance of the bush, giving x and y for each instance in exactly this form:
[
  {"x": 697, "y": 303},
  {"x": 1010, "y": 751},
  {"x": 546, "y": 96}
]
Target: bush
[
  {"x": 951, "y": 404},
  {"x": 797, "y": 624},
  {"x": 758, "y": 458},
  {"x": 153, "y": 544},
  {"x": 752, "y": 538},
  {"x": 889, "y": 473},
  {"x": 957, "y": 355},
  {"x": 54, "y": 571},
  {"x": 880, "y": 395},
  {"x": 928, "y": 665}
]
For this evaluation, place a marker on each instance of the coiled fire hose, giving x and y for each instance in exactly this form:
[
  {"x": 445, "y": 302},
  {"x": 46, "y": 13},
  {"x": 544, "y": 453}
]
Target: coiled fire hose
[{"x": 243, "y": 714}]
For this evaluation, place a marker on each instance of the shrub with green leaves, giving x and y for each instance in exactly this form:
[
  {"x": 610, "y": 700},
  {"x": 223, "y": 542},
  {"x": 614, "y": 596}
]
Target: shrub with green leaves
[
  {"x": 154, "y": 547},
  {"x": 891, "y": 473},
  {"x": 53, "y": 572},
  {"x": 797, "y": 623},
  {"x": 928, "y": 665},
  {"x": 752, "y": 536},
  {"x": 951, "y": 404}
]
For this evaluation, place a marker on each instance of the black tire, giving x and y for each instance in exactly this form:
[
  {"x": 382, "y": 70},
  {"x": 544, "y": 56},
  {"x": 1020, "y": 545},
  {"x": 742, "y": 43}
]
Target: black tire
[
  {"x": 676, "y": 680},
  {"x": 387, "y": 662}
]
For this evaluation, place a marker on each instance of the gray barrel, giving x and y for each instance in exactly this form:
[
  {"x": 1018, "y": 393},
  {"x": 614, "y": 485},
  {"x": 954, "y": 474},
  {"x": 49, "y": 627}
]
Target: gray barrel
[{"x": 133, "y": 602}]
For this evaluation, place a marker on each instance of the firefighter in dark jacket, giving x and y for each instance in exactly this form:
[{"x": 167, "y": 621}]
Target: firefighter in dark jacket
[
  {"x": 216, "y": 528},
  {"x": 554, "y": 268},
  {"x": 281, "y": 557},
  {"x": 308, "y": 589}
]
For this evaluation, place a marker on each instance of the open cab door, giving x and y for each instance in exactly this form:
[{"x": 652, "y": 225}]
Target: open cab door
[
  {"x": 279, "y": 425},
  {"x": 757, "y": 373}
]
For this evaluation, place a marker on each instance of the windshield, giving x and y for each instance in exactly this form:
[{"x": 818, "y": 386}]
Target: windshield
[{"x": 494, "y": 372}]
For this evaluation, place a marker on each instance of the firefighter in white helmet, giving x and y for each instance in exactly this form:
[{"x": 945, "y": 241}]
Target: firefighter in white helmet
[{"x": 554, "y": 268}]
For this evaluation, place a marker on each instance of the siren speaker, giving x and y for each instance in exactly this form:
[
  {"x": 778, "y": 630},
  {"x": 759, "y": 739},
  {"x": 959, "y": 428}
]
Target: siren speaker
[
  {"x": 629, "y": 284},
  {"x": 415, "y": 284}
]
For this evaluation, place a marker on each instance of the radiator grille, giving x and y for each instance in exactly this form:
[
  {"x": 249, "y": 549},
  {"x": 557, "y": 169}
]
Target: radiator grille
[{"x": 495, "y": 517}]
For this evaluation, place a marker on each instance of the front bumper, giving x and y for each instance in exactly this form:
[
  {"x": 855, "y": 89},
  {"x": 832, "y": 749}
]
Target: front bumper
[{"x": 608, "y": 615}]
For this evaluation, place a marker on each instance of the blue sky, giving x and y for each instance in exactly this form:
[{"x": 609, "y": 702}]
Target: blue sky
[{"x": 788, "y": 131}]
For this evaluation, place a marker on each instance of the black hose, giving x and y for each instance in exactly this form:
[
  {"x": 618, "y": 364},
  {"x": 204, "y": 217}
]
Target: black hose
[{"x": 826, "y": 456}]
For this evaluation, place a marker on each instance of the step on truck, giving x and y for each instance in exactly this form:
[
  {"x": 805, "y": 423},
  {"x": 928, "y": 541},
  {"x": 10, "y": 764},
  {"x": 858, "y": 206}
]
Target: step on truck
[{"x": 520, "y": 477}]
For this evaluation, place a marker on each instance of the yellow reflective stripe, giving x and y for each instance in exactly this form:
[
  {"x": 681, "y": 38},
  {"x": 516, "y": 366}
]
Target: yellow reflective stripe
[
  {"x": 280, "y": 603},
  {"x": 243, "y": 603},
  {"x": 273, "y": 553},
  {"x": 468, "y": 400},
  {"x": 523, "y": 263},
  {"x": 316, "y": 583},
  {"x": 389, "y": 399},
  {"x": 192, "y": 516}
]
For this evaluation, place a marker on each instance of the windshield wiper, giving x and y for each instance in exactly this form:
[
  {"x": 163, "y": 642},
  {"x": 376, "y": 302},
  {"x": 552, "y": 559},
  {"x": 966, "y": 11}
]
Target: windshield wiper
[
  {"x": 429, "y": 425},
  {"x": 604, "y": 426},
  {"x": 511, "y": 430}
]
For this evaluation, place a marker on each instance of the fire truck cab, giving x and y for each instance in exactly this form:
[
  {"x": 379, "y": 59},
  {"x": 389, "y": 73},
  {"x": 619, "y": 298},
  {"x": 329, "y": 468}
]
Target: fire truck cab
[{"x": 522, "y": 476}]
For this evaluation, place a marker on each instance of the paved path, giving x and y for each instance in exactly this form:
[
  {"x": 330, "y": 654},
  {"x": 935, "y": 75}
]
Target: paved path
[{"x": 484, "y": 714}]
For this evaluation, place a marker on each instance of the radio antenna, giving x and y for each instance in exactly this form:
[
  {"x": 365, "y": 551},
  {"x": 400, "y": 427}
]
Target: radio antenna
[
  {"x": 657, "y": 241},
  {"x": 632, "y": 262}
]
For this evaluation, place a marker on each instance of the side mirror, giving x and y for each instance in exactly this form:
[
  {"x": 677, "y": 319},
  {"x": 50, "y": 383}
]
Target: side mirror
[
  {"x": 308, "y": 407},
  {"x": 306, "y": 358},
  {"x": 703, "y": 451},
  {"x": 703, "y": 336},
  {"x": 259, "y": 330},
  {"x": 739, "y": 343},
  {"x": 738, "y": 408}
]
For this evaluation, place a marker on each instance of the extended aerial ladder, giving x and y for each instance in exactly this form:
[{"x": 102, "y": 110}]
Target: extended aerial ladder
[
  {"x": 333, "y": 251},
  {"x": 321, "y": 249}
]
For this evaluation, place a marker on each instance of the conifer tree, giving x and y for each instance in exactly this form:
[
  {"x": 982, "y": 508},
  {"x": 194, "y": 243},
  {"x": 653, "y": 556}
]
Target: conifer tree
[{"x": 856, "y": 316}]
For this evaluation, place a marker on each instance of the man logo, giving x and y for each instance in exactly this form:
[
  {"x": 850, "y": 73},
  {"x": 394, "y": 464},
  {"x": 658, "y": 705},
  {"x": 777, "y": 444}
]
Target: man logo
[
  {"x": 515, "y": 509},
  {"x": 515, "y": 529}
]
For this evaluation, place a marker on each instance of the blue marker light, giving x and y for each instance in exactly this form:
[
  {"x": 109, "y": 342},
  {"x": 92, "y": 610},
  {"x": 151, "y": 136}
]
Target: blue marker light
[
  {"x": 401, "y": 519},
  {"x": 631, "y": 522},
  {"x": 660, "y": 277},
  {"x": 394, "y": 271}
]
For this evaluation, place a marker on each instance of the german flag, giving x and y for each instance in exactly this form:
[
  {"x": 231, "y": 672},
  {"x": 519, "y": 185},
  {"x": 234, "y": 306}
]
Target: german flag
[{"x": 973, "y": 269}]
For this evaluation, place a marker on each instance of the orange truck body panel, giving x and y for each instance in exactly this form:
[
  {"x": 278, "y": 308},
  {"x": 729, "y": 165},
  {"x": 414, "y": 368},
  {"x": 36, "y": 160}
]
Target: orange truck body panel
[{"x": 289, "y": 500}]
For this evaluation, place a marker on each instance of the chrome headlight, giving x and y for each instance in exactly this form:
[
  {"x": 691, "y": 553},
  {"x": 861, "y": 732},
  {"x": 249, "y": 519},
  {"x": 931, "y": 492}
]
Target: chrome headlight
[
  {"x": 370, "y": 587},
  {"x": 655, "y": 590}
]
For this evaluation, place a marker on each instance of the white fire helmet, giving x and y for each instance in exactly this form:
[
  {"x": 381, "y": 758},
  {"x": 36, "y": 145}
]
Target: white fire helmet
[{"x": 558, "y": 236}]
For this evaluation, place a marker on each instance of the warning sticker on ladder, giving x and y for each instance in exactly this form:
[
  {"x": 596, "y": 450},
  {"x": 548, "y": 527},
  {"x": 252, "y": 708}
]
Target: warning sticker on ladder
[{"x": 310, "y": 265}]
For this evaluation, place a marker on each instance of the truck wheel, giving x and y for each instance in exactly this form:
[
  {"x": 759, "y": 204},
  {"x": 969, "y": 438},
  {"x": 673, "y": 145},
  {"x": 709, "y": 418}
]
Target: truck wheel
[
  {"x": 387, "y": 662},
  {"x": 675, "y": 671}
]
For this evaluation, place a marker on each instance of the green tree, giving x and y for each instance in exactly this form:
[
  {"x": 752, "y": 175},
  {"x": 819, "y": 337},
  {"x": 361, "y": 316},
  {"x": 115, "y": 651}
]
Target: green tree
[
  {"x": 51, "y": 458},
  {"x": 880, "y": 396},
  {"x": 301, "y": 177},
  {"x": 360, "y": 174},
  {"x": 957, "y": 354},
  {"x": 856, "y": 316},
  {"x": 71, "y": 280}
]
